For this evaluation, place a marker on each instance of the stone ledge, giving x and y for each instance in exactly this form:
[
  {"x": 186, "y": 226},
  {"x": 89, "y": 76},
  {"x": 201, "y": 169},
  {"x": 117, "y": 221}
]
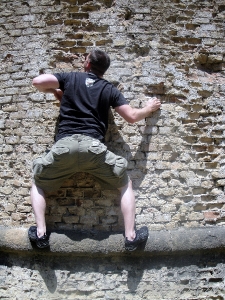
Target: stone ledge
[{"x": 166, "y": 242}]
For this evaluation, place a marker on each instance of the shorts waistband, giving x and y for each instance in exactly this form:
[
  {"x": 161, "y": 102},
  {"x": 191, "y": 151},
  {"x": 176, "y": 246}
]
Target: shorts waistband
[{"x": 82, "y": 137}]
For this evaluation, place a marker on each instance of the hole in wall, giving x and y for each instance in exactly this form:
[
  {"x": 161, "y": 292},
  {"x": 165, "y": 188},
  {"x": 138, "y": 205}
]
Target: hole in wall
[
  {"x": 138, "y": 50},
  {"x": 128, "y": 14}
]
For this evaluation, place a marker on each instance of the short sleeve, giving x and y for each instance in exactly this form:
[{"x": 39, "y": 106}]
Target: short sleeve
[
  {"x": 61, "y": 77},
  {"x": 117, "y": 98}
]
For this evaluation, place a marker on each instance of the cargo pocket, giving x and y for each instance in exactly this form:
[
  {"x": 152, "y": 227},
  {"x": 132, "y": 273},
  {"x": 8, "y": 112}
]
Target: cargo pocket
[
  {"x": 39, "y": 165},
  {"x": 118, "y": 163},
  {"x": 60, "y": 156},
  {"x": 120, "y": 166},
  {"x": 96, "y": 151},
  {"x": 59, "y": 150},
  {"x": 97, "y": 147}
]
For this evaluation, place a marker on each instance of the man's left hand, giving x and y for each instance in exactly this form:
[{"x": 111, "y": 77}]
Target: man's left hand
[{"x": 58, "y": 94}]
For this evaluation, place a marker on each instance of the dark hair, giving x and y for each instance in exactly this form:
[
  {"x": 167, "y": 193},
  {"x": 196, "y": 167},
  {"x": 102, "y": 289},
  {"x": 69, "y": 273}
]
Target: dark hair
[{"x": 100, "y": 61}]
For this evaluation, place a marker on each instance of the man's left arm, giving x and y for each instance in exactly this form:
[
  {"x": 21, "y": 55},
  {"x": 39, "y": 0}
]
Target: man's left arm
[{"x": 133, "y": 115}]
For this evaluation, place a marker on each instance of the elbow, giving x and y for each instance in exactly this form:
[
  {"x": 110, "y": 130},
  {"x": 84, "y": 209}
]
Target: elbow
[
  {"x": 128, "y": 113},
  {"x": 36, "y": 82},
  {"x": 131, "y": 119}
]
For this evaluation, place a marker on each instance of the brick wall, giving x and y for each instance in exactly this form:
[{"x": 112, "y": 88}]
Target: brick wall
[
  {"x": 170, "y": 49},
  {"x": 159, "y": 278},
  {"x": 174, "y": 51}
]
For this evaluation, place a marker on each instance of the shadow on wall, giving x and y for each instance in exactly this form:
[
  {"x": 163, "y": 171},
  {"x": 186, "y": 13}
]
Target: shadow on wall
[
  {"x": 70, "y": 275},
  {"x": 65, "y": 277},
  {"x": 139, "y": 139}
]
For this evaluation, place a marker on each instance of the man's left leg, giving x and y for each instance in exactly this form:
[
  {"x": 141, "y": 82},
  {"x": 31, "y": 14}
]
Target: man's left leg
[
  {"x": 39, "y": 205},
  {"x": 38, "y": 234}
]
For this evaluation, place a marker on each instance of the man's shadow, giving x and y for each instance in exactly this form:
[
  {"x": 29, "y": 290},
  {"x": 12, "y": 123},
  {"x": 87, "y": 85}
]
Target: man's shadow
[{"x": 140, "y": 144}]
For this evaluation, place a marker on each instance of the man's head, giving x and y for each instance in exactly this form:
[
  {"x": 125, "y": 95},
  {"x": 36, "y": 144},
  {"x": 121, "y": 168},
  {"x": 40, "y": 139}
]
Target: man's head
[{"x": 98, "y": 62}]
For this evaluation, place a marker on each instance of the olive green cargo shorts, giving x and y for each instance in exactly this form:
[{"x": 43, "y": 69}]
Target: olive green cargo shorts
[{"x": 79, "y": 153}]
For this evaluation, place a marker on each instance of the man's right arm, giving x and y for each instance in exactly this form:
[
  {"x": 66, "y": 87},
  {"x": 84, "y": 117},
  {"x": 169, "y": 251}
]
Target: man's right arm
[{"x": 48, "y": 83}]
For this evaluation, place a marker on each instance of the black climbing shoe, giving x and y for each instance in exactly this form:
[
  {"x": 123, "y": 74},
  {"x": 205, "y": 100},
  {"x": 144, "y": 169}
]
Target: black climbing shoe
[
  {"x": 141, "y": 237},
  {"x": 41, "y": 242}
]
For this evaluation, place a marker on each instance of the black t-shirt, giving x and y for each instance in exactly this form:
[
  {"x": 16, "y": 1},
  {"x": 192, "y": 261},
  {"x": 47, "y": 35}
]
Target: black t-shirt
[{"x": 85, "y": 104}]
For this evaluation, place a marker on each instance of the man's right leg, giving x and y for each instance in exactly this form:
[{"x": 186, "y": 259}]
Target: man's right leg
[
  {"x": 133, "y": 238},
  {"x": 128, "y": 210},
  {"x": 39, "y": 206},
  {"x": 49, "y": 171}
]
